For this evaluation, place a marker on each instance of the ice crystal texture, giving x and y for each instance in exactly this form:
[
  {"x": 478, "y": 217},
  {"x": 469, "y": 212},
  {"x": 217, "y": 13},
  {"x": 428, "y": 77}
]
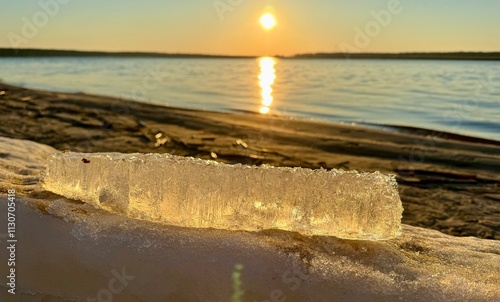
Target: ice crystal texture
[{"x": 195, "y": 193}]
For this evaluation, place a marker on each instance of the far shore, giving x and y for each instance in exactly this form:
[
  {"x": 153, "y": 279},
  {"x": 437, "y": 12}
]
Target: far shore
[
  {"x": 474, "y": 56},
  {"x": 449, "y": 183}
]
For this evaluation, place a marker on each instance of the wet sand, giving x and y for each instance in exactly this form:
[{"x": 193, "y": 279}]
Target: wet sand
[{"x": 447, "y": 182}]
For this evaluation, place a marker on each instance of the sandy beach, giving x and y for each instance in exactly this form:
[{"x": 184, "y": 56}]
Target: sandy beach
[{"x": 448, "y": 183}]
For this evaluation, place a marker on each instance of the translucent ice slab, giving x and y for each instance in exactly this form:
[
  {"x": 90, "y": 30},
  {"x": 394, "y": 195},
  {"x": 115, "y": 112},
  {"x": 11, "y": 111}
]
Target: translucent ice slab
[{"x": 191, "y": 192}]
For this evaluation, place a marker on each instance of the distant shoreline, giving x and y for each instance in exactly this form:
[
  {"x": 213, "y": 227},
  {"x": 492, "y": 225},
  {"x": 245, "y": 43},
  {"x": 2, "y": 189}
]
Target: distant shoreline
[
  {"x": 473, "y": 56},
  {"x": 21, "y": 53},
  {"x": 470, "y": 56}
]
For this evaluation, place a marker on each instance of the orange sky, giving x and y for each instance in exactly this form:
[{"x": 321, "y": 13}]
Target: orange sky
[{"x": 232, "y": 26}]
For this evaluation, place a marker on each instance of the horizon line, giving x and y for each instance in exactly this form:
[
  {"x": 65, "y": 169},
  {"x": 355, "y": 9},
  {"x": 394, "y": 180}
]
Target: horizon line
[{"x": 46, "y": 52}]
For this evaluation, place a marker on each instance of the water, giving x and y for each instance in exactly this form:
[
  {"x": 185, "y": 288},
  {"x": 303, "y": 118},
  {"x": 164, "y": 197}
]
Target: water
[{"x": 456, "y": 96}]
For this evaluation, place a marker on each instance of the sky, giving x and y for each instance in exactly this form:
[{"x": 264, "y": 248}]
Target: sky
[{"x": 231, "y": 27}]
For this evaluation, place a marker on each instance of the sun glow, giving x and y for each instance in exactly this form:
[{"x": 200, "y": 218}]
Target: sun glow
[
  {"x": 266, "y": 81},
  {"x": 268, "y": 21}
]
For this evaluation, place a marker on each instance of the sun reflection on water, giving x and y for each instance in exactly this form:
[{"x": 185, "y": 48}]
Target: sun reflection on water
[{"x": 266, "y": 80}]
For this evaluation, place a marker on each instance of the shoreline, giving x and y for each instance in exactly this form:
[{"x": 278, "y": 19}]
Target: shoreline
[
  {"x": 419, "y": 131},
  {"x": 446, "y": 183},
  {"x": 453, "y": 55}
]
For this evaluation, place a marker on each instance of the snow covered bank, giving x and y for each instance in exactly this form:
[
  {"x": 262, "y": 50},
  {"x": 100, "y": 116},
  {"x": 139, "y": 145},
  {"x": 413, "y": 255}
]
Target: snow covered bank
[{"x": 68, "y": 250}]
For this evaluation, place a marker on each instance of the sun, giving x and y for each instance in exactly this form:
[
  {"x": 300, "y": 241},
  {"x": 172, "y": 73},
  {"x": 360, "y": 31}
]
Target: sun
[{"x": 268, "y": 21}]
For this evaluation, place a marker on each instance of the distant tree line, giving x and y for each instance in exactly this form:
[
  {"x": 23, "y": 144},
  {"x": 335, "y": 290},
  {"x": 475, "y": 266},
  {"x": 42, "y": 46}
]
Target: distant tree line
[
  {"x": 406, "y": 56},
  {"x": 27, "y": 52}
]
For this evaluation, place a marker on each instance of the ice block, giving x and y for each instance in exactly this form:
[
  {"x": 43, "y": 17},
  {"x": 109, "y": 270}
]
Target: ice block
[{"x": 196, "y": 193}]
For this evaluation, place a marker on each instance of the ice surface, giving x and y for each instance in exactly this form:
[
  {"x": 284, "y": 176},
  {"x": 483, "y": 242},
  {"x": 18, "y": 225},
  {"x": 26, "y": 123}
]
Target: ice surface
[{"x": 196, "y": 193}]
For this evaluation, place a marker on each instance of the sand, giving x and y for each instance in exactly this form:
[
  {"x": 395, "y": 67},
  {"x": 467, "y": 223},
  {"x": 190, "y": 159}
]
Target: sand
[{"x": 448, "y": 183}]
